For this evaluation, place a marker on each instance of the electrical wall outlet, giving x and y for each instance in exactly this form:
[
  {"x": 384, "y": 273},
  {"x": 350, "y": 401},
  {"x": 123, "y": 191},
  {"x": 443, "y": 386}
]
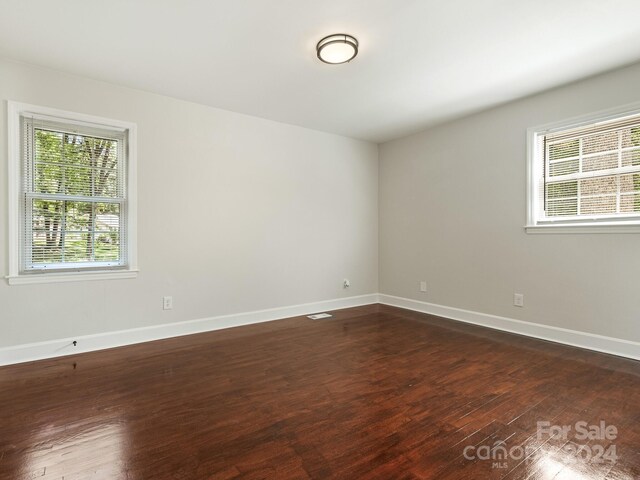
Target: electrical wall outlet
[
  {"x": 518, "y": 300},
  {"x": 346, "y": 283},
  {"x": 423, "y": 286},
  {"x": 167, "y": 303}
]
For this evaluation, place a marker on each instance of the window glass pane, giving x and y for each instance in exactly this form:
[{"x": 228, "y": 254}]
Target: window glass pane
[
  {"x": 107, "y": 246},
  {"x": 75, "y": 151},
  {"x": 562, "y": 189},
  {"x": 631, "y": 158},
  {"x": 48, "y": 146},
  {"x": 630, "y": 183},
  {"x": 600, "y": 162},
  {"x": 47, "y": 215},
  {"x": 106, "y": 181},
  {"x": 604, "y": 205},
  {"x": 78, "y": 246},
  {"x": 630, "y": 203},
  {"x": 101, "y": 151},
  {"x": 600, "y": 143},
  {"x": 48, "y": 178},
  {"x": 107, "y": 231},
  {"x": 77, "y": 180},
  {"x": 566, "y": 149},
  {"x": 46, "y": 218},
  {"x": 566, "y": 167},
  {"x": 598, "y": 186},
  {"x": 41, "y": 250},
  {"x": 107, "y": 217},
  {"x": 78, "y": 216},
  {"x": 631, "y": 137},
  {"x": 562, "y": 207}
]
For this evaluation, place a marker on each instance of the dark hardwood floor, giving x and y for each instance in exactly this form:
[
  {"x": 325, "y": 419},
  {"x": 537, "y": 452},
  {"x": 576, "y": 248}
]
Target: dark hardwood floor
[{"x": 375, "y": 392}]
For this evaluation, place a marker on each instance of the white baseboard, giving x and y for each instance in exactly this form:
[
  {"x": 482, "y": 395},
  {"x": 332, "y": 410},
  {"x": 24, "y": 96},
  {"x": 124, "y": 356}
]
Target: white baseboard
[
  {"x": 88, "y": 343},
  {"x": 599, "y": 343},
  {"x": 100, "y": 341}
]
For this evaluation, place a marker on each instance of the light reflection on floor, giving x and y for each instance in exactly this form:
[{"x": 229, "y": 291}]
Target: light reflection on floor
[
  {"x": 551, "y": 468},
  {"x": 564, "y": 466},
  {"x": 79, "y": 452}
]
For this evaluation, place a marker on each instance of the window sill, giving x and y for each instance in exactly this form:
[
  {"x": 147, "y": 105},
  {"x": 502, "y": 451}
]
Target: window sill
[
  {"x": 583, "y": 228},
  {"x": 70, "y": 277}
]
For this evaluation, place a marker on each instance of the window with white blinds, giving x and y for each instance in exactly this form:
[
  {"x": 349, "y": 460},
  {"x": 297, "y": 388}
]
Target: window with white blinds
[
  {"x": 73, "y": 196},
  {"x": 586, "y": 174}
]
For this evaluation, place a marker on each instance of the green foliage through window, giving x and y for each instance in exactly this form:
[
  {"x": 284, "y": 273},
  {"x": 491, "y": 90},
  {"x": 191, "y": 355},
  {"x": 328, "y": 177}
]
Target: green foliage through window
[{"x": 76, "y": 206}]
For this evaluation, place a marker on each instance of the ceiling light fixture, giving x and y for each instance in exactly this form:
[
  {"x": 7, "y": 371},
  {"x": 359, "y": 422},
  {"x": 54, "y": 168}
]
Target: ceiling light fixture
[{"x": 337, "y": 48}]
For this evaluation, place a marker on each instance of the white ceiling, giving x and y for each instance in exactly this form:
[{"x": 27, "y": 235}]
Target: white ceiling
[{"x": 421, "y": 62}]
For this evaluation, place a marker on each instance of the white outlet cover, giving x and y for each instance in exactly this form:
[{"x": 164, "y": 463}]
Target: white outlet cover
[
  {"x": 423, "y": 286},
  {"x": 319, "y": 316},
  {"x": 518, "y": 300},
  {"x": 167, "y": 303}
]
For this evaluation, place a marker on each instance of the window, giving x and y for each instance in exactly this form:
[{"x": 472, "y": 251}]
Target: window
[
  {"x": 72, "y": 196},
  {"x": 584, "y": 175}
]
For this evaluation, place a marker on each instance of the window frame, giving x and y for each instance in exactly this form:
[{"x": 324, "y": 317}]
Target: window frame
[
  {"x": 586, "y": 225},
  {"x": 15, "y": 112}
]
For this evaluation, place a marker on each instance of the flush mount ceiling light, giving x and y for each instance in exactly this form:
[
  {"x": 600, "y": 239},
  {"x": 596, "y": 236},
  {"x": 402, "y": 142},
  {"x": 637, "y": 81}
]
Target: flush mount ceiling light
[{"x": 337, "y": 48}]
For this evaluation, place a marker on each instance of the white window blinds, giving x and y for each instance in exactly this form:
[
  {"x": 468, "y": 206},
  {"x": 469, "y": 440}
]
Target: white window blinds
[
  {"x": 74, "y": 196},
  {"x": 589, "y": 173}
]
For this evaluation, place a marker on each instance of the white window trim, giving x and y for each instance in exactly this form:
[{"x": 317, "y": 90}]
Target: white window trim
[
  {"x": 14, "y": 112},
  {"x": 582, "y": 226}
]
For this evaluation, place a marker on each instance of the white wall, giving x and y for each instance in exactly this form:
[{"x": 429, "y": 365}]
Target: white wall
[
  {"x": 235, "y": 214},
  {"x": 452, "y": 211},
  {"x": 272, "y": 215}
]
